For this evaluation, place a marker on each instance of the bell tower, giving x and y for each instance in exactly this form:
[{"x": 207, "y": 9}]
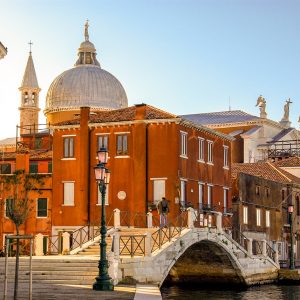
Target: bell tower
[{"x": 29, "y": 108}]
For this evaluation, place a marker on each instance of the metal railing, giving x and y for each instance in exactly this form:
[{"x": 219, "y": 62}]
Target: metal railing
[
  {"x": 240, "y": 238},
  {"x": 54, "y": 245},
  {"x": 270, "y": 252},
  {"x": 257, "y": 247},
  {"x": 133, "y": 219},
  {"x": 133, "y": 245}
]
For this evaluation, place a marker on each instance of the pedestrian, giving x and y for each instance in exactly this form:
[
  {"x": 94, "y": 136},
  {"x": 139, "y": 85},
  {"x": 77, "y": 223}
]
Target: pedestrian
[{"x": 163, "y": 210}]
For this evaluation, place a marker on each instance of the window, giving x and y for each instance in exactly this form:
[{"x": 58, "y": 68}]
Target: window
[
  {"x": 100, "y": 196},
  {"x": 68, "y": 147},
  {"x": 122, "y": 145},
  {"x": 42, "y": 207},
  {"x": 102, "y": 141},
  {"x": 68, "y": 193},
  {"x": 209, "y": 195},
  {"x": 267, "y": 191},
  {"x": 298, "y": 205},
  {"x": 182, "y": 192},
  {"x": 201, "y": 195},
  {"x": 5, "y": 169},
  {"x": 257, "y": 190},
  {"x": 159, "y": 189},
  {"x": 226, "y": 165},
  {"x": 49, "y": 166},
  {"x": 183, "y": 136},
  {"x": 245, "y": 214},
  {"x": 9, "y": 203},
  {"x": 201, "y": 149},
  {"x": 33, "y": 167},
  {"x": 282, "y": 195},
  {"x": 209, "y": 151},
  {"x": 225, "y": 197},
  {"x": 38, "y": 142},
  {"x": 258, "y": 217},
  {"x": 267, "y": 218}
]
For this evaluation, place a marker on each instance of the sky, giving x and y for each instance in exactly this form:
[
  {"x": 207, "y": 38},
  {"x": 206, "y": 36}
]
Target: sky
[{"x": 182, "y": 56}]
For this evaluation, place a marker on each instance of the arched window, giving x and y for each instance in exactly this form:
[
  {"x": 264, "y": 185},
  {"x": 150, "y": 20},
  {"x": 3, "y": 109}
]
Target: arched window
[
  {"x": 25, "y": 98},
  {"x": 33, "y": 97}
]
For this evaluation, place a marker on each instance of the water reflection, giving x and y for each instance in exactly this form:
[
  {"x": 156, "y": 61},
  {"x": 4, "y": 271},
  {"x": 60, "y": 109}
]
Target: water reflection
[{"x": 265, "y": 292}]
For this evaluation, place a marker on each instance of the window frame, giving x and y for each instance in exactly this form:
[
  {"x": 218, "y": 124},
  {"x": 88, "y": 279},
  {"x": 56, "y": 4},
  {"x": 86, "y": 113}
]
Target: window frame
[
  {"x": 225, "y": 156},
  {"x": 183, "y": 144},
  {"x": 5, "y": 207},
  {"x": 65, "y": 196},
  {"x": 258, "y": 217},
  {"x": 68, "y": 146},
  {"x": 245, "y": 215},
  {"x": 33, "y": 165},
  {"x": 124, "y": 137},
  {"x": 37, "y": 208},
  {"x": 209, "y": 195},
  {"x": 7, "y": 166},
  {"x": 102, "y": 141},
  {"x": 210, "y": 152},
  {"x": 201, "y": 194},
  {"x": 201, "y": 151},
  {"x": 268, "y": 218}
]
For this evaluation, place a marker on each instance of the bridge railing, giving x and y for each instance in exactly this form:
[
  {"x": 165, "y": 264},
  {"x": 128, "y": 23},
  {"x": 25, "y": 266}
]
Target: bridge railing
[
  {"x": 54, "y": 245},
  {"x": 132, "y": 245},
  {"x": 136, "y": 219},
  {"x": 257, "y": 247},
  {"x": 240, "y": 238},
  {"x": 271, "y": 252}
]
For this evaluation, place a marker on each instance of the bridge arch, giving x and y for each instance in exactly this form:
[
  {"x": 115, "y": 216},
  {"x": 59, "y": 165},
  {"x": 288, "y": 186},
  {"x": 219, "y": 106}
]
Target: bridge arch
[{"x": 205, "y": 262}]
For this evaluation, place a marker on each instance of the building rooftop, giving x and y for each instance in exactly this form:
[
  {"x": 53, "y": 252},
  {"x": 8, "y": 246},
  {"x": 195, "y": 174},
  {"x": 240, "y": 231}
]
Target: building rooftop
[
  {"x": 223, "y": 117},
  {"x": 282, "y": 134},
  {"x": 288, "y": 162},
  {"x": 265, "y": 170},
  {"x": 33, "y": 155}
]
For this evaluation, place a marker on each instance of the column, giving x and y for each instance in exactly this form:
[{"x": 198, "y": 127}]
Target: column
[
  {"x": 249, "y": 246},
  {"x": 148, "y": 244},
  {"x": 117, "y": 218},
  {"x": 66, "y": 243},
  {"x": 219, "y": 221},
  {"x": 149, "y": 220},
  {"x": 191, "y": 217},
  {"x": 264, "y": 247},
  {"x": 38, "y": 245}
]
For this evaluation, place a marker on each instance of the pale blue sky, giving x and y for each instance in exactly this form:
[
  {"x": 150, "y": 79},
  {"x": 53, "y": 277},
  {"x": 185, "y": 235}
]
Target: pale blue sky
[{"x": 183, "y": 56}]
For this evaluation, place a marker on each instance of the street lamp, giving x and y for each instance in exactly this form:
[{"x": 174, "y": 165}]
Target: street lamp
[
  {"x": 102, "y": 175},
  {"x": 290, "y": 211}
]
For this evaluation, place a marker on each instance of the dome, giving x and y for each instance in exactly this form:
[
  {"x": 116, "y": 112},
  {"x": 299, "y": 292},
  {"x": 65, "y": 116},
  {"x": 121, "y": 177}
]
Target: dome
[{"x": 87, "y": 84}]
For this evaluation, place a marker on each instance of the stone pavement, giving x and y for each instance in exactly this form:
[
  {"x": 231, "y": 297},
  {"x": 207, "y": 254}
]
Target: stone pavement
[
  {"x": 63, "y": 291},
  {"x": 147, "y": 292}
]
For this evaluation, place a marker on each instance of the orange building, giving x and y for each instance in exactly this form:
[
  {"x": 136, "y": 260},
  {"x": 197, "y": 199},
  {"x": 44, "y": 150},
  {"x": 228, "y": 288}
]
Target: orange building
[{"x": 151, "y": 154}]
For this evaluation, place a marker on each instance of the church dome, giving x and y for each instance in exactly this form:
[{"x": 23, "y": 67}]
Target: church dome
[{"x": 87, "y": 84}]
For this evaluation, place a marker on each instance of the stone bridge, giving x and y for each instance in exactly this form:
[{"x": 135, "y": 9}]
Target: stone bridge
[
  {"x": 202, "y": 255},
  {"x": 188, "y": 250}
]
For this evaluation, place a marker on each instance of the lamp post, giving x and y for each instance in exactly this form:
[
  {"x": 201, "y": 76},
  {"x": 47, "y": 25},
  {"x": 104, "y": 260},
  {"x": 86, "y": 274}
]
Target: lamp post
[
  {"x": 290, "y": 211},
  {"x": 102, "y": 174}
]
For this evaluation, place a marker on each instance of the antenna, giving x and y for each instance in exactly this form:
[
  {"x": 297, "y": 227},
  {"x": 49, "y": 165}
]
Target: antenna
[{"x": 229, "y": 104}]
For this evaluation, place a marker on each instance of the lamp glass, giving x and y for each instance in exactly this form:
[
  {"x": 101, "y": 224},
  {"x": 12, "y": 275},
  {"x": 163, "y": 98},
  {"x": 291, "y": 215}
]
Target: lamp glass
[
  {"x": 290, "y": 208},
  {"x": 97, "y": 170},
  {"x": 102, "y": 155}
]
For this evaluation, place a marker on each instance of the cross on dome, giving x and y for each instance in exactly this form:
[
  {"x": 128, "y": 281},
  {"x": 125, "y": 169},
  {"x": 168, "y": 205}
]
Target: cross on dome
[{"x": 86, "y": 30}]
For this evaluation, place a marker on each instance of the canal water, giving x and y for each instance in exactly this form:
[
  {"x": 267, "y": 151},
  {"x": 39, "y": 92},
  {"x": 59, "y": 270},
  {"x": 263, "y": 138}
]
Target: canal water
[{"x": 264, "y": 292}]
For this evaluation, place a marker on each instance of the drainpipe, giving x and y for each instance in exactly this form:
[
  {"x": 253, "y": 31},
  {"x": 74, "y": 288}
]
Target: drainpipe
[{"x": 146, "y": 186}]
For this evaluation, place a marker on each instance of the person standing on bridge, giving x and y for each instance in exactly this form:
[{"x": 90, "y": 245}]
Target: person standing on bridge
[{"x": 163, "y": 209}]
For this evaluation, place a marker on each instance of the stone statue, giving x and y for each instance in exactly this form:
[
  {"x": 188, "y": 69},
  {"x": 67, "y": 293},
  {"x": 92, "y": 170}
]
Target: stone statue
[
  {"x": 261, "y": 103},
  {"x": 86, "y": 30},
  {"x": 286, "y": 108}
]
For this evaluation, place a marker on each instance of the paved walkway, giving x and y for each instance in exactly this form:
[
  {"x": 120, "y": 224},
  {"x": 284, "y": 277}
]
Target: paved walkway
[
  {"x": 67, "y": 292},
  {"x": 147, "y": 292}
]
